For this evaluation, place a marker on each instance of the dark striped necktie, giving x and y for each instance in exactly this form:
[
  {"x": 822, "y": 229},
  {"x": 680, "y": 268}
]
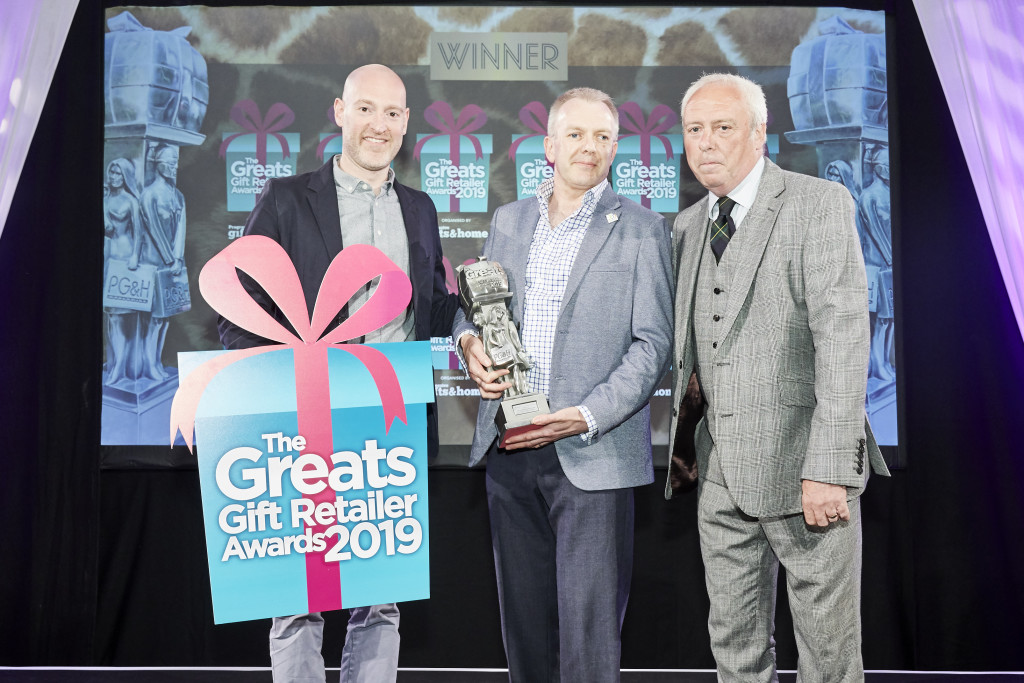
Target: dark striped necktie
[{"x": 722, "y": 228}]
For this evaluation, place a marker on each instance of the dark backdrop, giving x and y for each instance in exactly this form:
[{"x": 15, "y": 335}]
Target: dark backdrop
[{"x": 108, "y": 567}]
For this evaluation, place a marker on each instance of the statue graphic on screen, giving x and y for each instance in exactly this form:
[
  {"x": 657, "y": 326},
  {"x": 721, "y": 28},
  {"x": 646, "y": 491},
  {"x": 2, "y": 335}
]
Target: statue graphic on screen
[
  {"x": 874, "y": 226},
  {"x": 122, "y": 224},
  {"x": 840, "y": 171},
  {"x": 847, "y": 121},
  {"x": 163, "y": 245},
  {"x": 155, "y": 93}
]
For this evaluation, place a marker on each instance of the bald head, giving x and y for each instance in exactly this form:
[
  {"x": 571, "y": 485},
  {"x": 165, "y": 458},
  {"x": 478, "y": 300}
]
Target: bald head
[{"x": 379, "y": 74}]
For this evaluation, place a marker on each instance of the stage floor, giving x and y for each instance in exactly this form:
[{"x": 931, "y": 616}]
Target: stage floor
[{"x": 262, "y": 675}]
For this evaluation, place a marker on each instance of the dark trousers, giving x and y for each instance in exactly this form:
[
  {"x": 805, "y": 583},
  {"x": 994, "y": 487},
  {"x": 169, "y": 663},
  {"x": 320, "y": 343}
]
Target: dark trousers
[{"x": 564, "y": 558}]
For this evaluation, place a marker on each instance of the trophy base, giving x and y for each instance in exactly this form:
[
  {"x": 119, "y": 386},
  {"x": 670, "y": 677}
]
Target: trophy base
[{"x": 515, "y": 415}]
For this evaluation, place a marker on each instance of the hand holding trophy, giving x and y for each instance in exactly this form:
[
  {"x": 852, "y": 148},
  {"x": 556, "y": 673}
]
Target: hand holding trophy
[{"x": 484, "y": 293}]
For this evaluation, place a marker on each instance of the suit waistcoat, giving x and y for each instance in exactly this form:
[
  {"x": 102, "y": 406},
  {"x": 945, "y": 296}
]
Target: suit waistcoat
[
  {"x": 711, "y": 301},
  {"x": 710, "y": 305}
]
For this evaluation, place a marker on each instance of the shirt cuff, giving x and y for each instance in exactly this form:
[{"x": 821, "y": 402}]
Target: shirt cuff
[
  {"x": 458, "y": 348},
  {"x": 591, "y": 424}
]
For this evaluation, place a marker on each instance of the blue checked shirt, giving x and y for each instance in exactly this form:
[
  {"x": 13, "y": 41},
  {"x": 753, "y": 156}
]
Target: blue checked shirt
[{"x": 552, "y": 254}]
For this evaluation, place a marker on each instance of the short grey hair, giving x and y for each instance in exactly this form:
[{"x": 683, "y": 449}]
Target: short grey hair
[
  {"x": 588, "y": 94},
  {"x": 751, "y": 93}
]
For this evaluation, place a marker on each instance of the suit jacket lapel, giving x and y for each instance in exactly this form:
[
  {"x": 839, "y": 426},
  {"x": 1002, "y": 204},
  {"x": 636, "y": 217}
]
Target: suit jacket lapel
[
  {"x": 410, "y": 215},
  {"x": 323, "y": 202},
  {"x": 690, "y": 256},
  {"x": 420, "y": 270},
  {"x": 597, "y": 233},
  {"x": 756, "y": 228}
]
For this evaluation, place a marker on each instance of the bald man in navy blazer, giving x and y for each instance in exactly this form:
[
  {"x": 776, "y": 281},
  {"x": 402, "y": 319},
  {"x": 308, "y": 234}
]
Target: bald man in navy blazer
[{"x": 303, "y": 214}]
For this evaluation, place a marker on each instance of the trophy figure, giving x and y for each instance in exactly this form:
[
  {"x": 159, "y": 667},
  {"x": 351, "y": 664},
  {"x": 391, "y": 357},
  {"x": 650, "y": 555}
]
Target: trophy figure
[{"x": 484, "y": 294}]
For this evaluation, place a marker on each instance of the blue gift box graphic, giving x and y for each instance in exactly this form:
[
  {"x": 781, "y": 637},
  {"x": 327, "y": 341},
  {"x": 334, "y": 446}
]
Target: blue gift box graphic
[
  {"x": 455, "y": 162},
  {"x": 532, "y": 166},
  {"x": 256, "y": 518},
  {"x": 244, "y": 172},
  {"x": 527, "y": 151},
  {"x": 330, "y": 144},
  {"x": 456, "y": 185},
  {"x": 646, "y": 168},
  {"x": 655, "y": 184},
  {"x": 312, "y": 453},
  {"x": 261, "y": 152}
]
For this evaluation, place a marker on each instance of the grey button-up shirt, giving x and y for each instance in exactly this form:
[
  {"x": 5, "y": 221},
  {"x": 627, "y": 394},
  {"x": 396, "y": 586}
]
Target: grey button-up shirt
[{"x": 376, "y": 220}]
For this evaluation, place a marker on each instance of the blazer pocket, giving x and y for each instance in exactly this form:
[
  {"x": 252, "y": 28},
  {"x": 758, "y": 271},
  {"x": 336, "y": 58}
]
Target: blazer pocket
[{"x": 796, "y": 393}]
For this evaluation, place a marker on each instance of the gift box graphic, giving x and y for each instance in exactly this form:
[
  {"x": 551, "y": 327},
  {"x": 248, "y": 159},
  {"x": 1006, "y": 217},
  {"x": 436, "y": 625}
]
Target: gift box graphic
[
  {"x": 442, "y": 354},
  {"x": 312, "y": 453},
  {"x": 330, "y": 143},
  {"x": 646, "y": 167},
  {"x": 262, "y": 152},
  {"x": 455, "y": 163},
  {"x": 532, "y": 167}
]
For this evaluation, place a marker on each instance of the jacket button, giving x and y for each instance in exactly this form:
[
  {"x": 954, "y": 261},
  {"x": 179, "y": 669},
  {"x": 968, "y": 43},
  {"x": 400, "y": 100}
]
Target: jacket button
[
  {"x": 717, "y": 290},
  {"x": 717, "y": 318},
  {"x": 860, "y": 469},
  {"x": 714, "y": 345},
  {"x": 680, "y": 365}
]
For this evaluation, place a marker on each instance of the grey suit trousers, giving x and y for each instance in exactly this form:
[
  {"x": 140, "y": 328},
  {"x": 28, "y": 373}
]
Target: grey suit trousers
[
  {"x": 370, "y": 654},
  {"x": 564, "y": 559},
  {"x": 742, "y": 556}
]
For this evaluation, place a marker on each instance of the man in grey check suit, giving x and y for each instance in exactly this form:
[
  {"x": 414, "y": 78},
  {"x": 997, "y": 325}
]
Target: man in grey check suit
[
  {"x": 591, "y": 276},
  {"x": 772, "y": 315}
]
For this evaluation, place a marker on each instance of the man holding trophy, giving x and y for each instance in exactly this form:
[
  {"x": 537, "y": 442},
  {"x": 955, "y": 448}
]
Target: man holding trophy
[{"x": 586, "y": 276}]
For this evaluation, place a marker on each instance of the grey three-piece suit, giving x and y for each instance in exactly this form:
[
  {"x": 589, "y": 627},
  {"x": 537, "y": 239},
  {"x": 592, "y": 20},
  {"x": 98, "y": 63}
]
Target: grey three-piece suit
[{"x": 777, "y": 333}]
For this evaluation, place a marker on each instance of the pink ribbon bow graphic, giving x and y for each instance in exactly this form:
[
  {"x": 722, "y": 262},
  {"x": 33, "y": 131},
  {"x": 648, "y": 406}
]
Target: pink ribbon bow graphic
[
  {"x": 662, "y": 119},
  {"x": 269, "y": 265},
  {"x": 247, "y": 114},
  {"x": 535, "y": 116},
  {"x": 323, "y": 143},
  {"x": 441, "y": 116}
]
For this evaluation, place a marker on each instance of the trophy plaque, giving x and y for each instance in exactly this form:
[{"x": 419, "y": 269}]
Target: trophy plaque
[{"x": 484, "y": 294}]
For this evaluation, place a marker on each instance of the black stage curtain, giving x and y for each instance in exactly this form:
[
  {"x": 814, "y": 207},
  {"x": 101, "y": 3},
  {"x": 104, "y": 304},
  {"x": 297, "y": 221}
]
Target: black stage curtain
[{"x": 108, "y": 567}]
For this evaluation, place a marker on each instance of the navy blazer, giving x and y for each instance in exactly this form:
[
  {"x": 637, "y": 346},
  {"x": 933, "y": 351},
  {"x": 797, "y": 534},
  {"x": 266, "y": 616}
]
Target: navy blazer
[{"x": 301, "y": 214}]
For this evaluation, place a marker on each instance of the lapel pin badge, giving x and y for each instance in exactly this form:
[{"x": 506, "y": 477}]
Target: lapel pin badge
[{"x": 611, "y": 217}]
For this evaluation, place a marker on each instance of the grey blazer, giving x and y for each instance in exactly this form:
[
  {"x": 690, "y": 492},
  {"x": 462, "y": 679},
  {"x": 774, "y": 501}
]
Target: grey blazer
[
  {"x": 792, "y": 366},
  {"x": 613, "y": 338}
]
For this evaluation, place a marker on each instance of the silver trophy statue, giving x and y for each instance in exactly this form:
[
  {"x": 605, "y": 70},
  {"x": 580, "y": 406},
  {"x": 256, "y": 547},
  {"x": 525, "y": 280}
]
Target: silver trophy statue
[{"x": 484, "y": 293}]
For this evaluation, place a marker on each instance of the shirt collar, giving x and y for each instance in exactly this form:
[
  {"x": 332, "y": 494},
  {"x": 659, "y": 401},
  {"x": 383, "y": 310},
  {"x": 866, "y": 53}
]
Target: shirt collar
[
  {"x": 350, "y": 183},
  {"x": 743, "y": 194},
  {"x": 590, "y": 197}
]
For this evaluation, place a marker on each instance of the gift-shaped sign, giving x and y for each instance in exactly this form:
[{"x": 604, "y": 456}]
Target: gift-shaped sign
[
  {"x": 455, "y": 163},
  {"x": 532, "y": 167},
  {"x": 312, "y": 453},
  {"x": 259, "y": 153},
  {"x": 646, "y": 167}
]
